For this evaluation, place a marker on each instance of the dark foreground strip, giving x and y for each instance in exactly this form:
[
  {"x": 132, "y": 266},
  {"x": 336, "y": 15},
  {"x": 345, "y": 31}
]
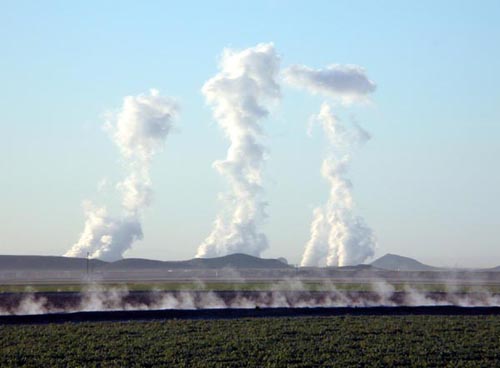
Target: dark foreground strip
[{"x": 150, "y": 315}]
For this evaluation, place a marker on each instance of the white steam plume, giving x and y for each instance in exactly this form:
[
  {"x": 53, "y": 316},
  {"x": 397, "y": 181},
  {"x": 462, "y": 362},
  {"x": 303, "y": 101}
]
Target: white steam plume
[
  {"x": 139, "y": 130},
  {"x": 238, "y": 94},
  {"x": 338, "y": 236}
]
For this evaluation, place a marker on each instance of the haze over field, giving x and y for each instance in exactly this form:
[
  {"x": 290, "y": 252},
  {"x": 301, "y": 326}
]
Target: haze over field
[{"x": 331, "y": 137}]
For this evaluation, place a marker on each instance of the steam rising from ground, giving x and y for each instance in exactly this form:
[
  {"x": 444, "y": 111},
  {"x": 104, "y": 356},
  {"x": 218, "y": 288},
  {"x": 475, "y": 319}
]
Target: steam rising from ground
[
  {"x": 285, "y": 294},
  {"x": 239, "y": 94},
  {"x": 139, "y": 131},
  {"x": 338, "y": 236}
]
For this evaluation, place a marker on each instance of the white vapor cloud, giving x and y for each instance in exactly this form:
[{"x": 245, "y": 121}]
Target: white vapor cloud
[
  {"x": 338, "y": 236},
  {"x": 143, "y": 125},
  {"x": 239, "y": 95},
  {"x": 106, "y": 237},
  {"x": 139, "y": 131},
  {"x": 346, "y": 83}
]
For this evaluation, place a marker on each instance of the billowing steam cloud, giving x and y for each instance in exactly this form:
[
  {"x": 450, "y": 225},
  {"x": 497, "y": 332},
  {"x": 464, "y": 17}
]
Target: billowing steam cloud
[
  {"x": 338, "y": 236},
  {"x": 238, "y": 94},
  {"x": 346, "y": 83},
  {"x": 139, "y": 130}
]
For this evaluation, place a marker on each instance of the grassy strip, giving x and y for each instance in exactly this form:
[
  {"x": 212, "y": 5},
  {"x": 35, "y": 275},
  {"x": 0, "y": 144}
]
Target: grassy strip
[{"x": 239, "y": 286}]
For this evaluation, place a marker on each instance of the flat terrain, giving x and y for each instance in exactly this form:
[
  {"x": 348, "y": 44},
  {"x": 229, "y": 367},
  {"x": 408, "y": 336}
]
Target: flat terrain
[
  {"x": 290, "y": 284},
  {"x": 242, "y": 313},
  {"x": 359, "y": 341}
]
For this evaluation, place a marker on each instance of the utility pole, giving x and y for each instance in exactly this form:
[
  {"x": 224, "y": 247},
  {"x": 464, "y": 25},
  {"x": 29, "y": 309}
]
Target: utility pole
[{"x": 88, "y": 266}]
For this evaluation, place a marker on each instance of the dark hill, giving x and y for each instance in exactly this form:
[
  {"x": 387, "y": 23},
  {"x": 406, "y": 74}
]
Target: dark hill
[
  {"x": 239, "y": 260},
  {"x": 360, "y": 267},
  {"x": 135, "y": 264},
  {"x": 45, "y": 263},
  {"x": 52, "y": 263},
  {"x": 229, "y": 261},
  {"x": 394, "y": 262}
]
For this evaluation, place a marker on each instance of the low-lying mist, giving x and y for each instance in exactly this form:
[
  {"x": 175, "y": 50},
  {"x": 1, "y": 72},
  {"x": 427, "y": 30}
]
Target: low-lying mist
[{"x": 291, "y": 293}]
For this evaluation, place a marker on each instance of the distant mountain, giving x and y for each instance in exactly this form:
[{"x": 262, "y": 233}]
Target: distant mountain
[
  {"x": 136, "y": 264},
  {"x": 48, "y": 263},
  {"x": 394, "y": 262},
  {"x": 237, "y": 260},
  {"x": 45, "y": 263},
  {"x": 360, "y": 267}
]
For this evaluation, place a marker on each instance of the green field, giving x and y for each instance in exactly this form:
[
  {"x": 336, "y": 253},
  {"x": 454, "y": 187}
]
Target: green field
[
  {"x": 240, "y": 286},
  {"x": 413, "y": 341}
]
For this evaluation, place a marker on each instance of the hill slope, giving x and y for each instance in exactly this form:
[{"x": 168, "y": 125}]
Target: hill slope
[
  {"x": 229, "y": 261},
  {"x": 49, "y": 263},
  {"x": 45, "y": 263},
  {"x": 394, "y": 262}
]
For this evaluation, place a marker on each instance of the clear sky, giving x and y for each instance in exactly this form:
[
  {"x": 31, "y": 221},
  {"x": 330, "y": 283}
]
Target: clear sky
[{"x": 428, "y": 183}]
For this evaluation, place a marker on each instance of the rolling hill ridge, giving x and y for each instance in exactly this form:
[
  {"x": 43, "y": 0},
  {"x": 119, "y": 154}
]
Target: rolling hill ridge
[{"x": 57, "y": 263}]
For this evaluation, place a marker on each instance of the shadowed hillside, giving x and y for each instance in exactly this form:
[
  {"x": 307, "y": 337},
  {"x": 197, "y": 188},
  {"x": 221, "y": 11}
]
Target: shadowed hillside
[
  {"x": 394, "y": 262},
  {"x": 49, "y": 263},
  {"x": 46, "y": 263},
  {"x": 229, "y": 261}
]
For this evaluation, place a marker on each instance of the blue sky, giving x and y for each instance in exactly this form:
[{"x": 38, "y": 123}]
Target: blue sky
[{"x": 428, "y": 183}]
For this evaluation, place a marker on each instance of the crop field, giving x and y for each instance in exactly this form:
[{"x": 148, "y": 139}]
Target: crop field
[
  {"x": 348, "y": 341},
  {"x": 245, "y": 286}
]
